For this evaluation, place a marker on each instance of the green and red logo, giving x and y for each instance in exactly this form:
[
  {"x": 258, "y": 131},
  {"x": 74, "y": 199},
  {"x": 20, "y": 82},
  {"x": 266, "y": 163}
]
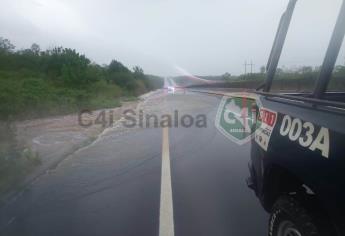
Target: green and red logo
[{"x": 236, "y": 118}]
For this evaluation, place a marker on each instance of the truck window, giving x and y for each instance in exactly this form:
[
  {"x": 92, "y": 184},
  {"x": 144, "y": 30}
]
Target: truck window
[
  {"x": 337, "y": 82},
  {"x": 336, "y": 86},
  {"x": 304, "y": 37}
]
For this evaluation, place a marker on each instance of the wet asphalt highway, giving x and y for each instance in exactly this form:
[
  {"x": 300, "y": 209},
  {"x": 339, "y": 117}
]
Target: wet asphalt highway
[{"x": 113, "y": 187}]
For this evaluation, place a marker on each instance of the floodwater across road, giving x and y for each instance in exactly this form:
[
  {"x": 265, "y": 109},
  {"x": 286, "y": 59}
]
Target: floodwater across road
[{"x": 146, "y": 181}]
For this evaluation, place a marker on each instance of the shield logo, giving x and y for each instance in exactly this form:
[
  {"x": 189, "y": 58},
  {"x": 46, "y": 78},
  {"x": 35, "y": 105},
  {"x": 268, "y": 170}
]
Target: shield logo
[{"x": 236, "y": 118}]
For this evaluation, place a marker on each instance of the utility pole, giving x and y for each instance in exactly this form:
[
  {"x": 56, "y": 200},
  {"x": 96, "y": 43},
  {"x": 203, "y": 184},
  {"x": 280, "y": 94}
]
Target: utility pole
[
  {"x": 251, "y": 67},
  {"x": 245, "y": 67}
]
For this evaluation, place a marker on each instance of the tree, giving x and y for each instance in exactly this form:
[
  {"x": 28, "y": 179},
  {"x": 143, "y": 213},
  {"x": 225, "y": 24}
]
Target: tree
[
  {"x": 279, "y": 71},
  {"x": 35, "y": 48},
  {"x": 116, "y": 66},
  {"x": 122, "y": 79},
  {"x": 118, "y": 74},
  {"x": 67, "y": 64},
  {"x": 138, "y": 73},
  {"x": 75, "y": 65},
  {"x": 306, "y": 69},
  {"x": 93, "y": 73},
  {"x": 262, "y": 69},
  {"x": 6, "y": 46},
  {"x": 138, "y": 70},
  {"x": 226, "y": 76}
]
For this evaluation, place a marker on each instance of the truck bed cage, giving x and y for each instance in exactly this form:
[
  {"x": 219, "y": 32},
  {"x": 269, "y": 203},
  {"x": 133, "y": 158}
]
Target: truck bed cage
[{"x": 327, "y": 66}]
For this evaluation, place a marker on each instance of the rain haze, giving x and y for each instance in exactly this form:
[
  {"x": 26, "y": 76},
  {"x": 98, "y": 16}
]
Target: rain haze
[
  {"x": 162, "y": 117},
  {"x": 173, "y": 37}
]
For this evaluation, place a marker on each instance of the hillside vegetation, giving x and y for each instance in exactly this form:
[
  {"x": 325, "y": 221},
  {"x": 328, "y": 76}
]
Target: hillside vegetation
[
  {"x": 36, "y": 83},
  {"x": 300, "y": 79}
]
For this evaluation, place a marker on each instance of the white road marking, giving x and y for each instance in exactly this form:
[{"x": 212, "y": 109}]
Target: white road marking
[{"x": 166, "y": 214}]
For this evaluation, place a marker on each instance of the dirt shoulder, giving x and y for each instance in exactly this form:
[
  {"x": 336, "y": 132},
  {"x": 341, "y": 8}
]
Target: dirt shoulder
[{"x": 52, "y": 139}]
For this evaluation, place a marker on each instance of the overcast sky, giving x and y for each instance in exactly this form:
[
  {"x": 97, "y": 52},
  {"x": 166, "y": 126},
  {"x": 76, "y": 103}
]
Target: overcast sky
[{"x": 169, "y": 37}]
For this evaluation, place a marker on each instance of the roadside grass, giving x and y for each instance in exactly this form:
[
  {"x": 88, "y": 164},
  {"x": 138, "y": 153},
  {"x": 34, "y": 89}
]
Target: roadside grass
[
  {"x": 26, "y": 96},
  {"x": 55, "y": 82},
  {"x": 15, "y": 162},
  {"x": 129, "y": 99}
]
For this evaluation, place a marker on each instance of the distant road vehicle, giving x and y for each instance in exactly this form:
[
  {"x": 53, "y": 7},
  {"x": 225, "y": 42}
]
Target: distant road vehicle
[
  {"x": 297, "y": 166},
  {"x": 171, "y": 89}
]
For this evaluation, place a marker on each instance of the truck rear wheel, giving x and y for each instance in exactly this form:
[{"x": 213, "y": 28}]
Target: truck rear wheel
[{"x": 289, "y": 218}]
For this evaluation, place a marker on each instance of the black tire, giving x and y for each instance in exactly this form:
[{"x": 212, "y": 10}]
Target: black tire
[{"x": 288, "y": 216}]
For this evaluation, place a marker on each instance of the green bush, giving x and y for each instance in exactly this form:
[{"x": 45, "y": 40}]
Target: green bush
[
  {"x": 36, "y": 83},
  {"x": 15, "y": 163}
]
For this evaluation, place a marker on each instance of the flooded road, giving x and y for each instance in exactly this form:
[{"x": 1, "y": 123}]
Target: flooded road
[{"x": 114, "y": 186}]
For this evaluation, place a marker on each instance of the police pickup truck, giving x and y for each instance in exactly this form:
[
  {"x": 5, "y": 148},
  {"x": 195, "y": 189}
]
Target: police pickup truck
[{"x": 297, "y": 166}]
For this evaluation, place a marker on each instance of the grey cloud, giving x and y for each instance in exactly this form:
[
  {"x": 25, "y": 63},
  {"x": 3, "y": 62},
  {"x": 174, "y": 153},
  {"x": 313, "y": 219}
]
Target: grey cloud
[{"x": 202, "y": 37}]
